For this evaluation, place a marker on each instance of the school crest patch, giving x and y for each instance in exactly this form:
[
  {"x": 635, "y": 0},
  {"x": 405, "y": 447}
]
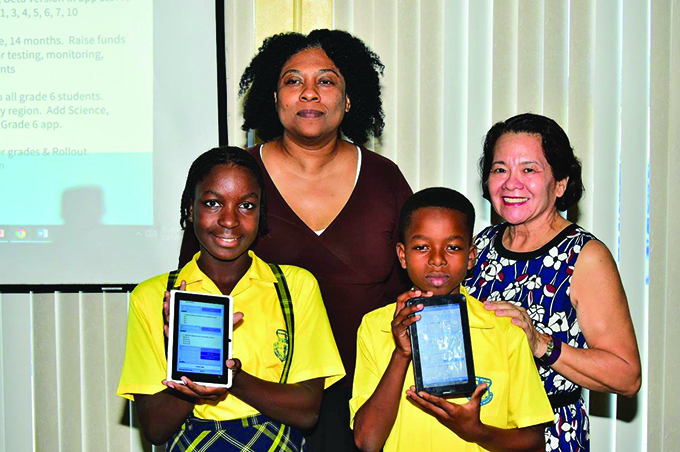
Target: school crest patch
[
  {"x": 488, "y": 395},
  {"x": 281, "y": 345}
]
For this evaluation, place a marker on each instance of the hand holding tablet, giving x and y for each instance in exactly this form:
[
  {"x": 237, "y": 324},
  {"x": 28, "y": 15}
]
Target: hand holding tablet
[
  {"x": 199, "y": 340},
  {"x": 403, "y": 317}
]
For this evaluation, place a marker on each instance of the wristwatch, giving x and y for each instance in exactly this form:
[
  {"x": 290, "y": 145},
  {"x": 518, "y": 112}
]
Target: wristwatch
[{"x": 553, "y": 352}]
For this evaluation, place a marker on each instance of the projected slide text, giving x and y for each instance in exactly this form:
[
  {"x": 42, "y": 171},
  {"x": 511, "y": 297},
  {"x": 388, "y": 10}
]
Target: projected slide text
[{"x": 76, "y": 108}]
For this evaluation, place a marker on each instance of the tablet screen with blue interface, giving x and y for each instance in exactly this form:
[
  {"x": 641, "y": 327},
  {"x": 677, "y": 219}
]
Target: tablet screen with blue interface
[
  {"x": 201, "y": 337},
  {"x": 442, "y": 354}
]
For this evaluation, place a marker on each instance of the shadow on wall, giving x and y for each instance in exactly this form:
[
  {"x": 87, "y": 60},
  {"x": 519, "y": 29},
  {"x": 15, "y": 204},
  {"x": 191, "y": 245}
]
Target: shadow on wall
[
  {"x": 83, "y": 241},
  {"x": 574, "y": 214},
  {"x": 82, "y": 209},
  {"x": 626, "y": 407}
]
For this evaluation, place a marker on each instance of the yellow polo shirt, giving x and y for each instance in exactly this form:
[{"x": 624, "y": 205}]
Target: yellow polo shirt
[
  {"x": 515, "y": 397},
  {"x": 255, "y": 339}
]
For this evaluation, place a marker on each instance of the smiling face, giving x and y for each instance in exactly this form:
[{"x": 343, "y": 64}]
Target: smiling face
[
  {"x": 310, "y": 98},
  {"x": 226, "y": 214},
  {"x": 437, "y": 252},
  {"x": 521, "y": 184}
]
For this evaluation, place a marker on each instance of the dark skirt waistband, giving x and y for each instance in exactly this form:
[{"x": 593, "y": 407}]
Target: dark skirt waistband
[
  {"x": 564, "y": 399},
  {"x": 200, "y": 425}
]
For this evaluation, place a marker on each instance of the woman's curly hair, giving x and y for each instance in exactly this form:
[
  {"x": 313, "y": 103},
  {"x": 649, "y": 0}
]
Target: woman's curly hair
[{"x": 359, "y": 65}]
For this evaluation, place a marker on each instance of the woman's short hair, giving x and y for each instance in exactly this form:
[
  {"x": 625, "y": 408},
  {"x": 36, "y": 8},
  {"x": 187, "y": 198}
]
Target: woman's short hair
[
  {"x": 359, "y": 65},
  {"x": 556, "y": 148},
  {"x": 224, "y": 155}
]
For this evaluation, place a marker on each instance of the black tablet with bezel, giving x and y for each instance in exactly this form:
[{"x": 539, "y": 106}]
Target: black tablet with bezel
[
  {"x": 441, "y": 346},
  {"x": 199, "y": 338}
]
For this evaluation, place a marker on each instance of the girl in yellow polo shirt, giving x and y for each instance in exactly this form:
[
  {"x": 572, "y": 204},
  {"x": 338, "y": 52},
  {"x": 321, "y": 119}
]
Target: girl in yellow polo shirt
[{"x": 267, "y": 407}]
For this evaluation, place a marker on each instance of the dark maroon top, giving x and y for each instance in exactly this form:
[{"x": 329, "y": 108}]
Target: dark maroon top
[{"x": 354, "y": 259}]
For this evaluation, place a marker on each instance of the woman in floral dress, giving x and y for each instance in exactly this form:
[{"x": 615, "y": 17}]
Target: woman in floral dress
[{"x": 560, "y": 283}]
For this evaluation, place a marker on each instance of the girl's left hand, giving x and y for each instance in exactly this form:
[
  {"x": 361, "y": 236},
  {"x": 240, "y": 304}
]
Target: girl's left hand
[
  {"x": 537, "y": 341},
  {"x": 196, "y": 391},
  {"x": 200, "y": 392}
]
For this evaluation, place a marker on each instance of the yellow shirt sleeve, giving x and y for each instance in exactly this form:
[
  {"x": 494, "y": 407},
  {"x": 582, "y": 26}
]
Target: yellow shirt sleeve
[
  {"x": 315, "y": 353},
  {"x": 528, "y": 403},
  {"x": 366, "y": 373},
  {"x": 145, "y": 364}
]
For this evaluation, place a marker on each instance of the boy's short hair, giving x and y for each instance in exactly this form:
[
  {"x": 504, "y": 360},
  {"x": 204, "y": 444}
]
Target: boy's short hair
[{"x": 441, "y": 197}]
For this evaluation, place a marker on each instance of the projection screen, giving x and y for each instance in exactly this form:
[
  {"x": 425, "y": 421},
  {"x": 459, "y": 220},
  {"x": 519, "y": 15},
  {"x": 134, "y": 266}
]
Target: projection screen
[{"x": 104, "y": 104}]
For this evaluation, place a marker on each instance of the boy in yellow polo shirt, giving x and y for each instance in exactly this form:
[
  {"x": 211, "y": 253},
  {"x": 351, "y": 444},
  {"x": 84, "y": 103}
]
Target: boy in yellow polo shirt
[{"x": 509, "y": 406}]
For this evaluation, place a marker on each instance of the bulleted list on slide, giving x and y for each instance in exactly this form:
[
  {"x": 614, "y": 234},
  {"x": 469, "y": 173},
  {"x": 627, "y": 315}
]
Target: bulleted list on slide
[{"x": 76, "y": 106}]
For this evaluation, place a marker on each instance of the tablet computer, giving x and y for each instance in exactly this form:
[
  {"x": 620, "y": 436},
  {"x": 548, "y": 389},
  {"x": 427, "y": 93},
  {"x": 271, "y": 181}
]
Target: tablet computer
[
  {"x": 441, "y": 346},
  {"x": 199, "y": 338}
]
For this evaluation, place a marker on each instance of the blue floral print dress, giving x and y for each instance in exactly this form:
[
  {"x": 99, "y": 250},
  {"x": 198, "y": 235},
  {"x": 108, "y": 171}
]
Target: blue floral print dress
[{"x": 540, "y": 281}]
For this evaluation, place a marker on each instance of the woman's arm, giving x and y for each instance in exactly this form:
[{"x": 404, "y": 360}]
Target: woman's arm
[{"x": 611, "y": 363}]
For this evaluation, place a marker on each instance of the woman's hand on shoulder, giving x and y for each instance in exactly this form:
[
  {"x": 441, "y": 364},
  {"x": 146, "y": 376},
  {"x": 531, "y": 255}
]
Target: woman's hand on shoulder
[
  {"x": 403, "y": 317},
  {"x": 537, "y": 341}
]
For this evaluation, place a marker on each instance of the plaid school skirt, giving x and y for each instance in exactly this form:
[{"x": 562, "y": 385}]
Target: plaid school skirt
[{"x": 251, "y": 434}]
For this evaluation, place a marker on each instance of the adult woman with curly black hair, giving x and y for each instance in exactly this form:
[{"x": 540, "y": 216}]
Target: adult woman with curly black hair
[{"x": 333, "y": 205}]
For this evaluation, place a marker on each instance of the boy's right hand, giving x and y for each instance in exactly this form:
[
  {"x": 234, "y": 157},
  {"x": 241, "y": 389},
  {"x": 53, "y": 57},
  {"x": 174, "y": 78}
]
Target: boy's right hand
[{"x": 401, "y": 320}]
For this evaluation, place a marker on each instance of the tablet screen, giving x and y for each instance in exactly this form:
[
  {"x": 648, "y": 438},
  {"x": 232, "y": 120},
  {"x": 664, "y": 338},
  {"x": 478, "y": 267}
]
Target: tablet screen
[
  {"x": 200, "y": 337},
  {"x": 442, "y": 349}
]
